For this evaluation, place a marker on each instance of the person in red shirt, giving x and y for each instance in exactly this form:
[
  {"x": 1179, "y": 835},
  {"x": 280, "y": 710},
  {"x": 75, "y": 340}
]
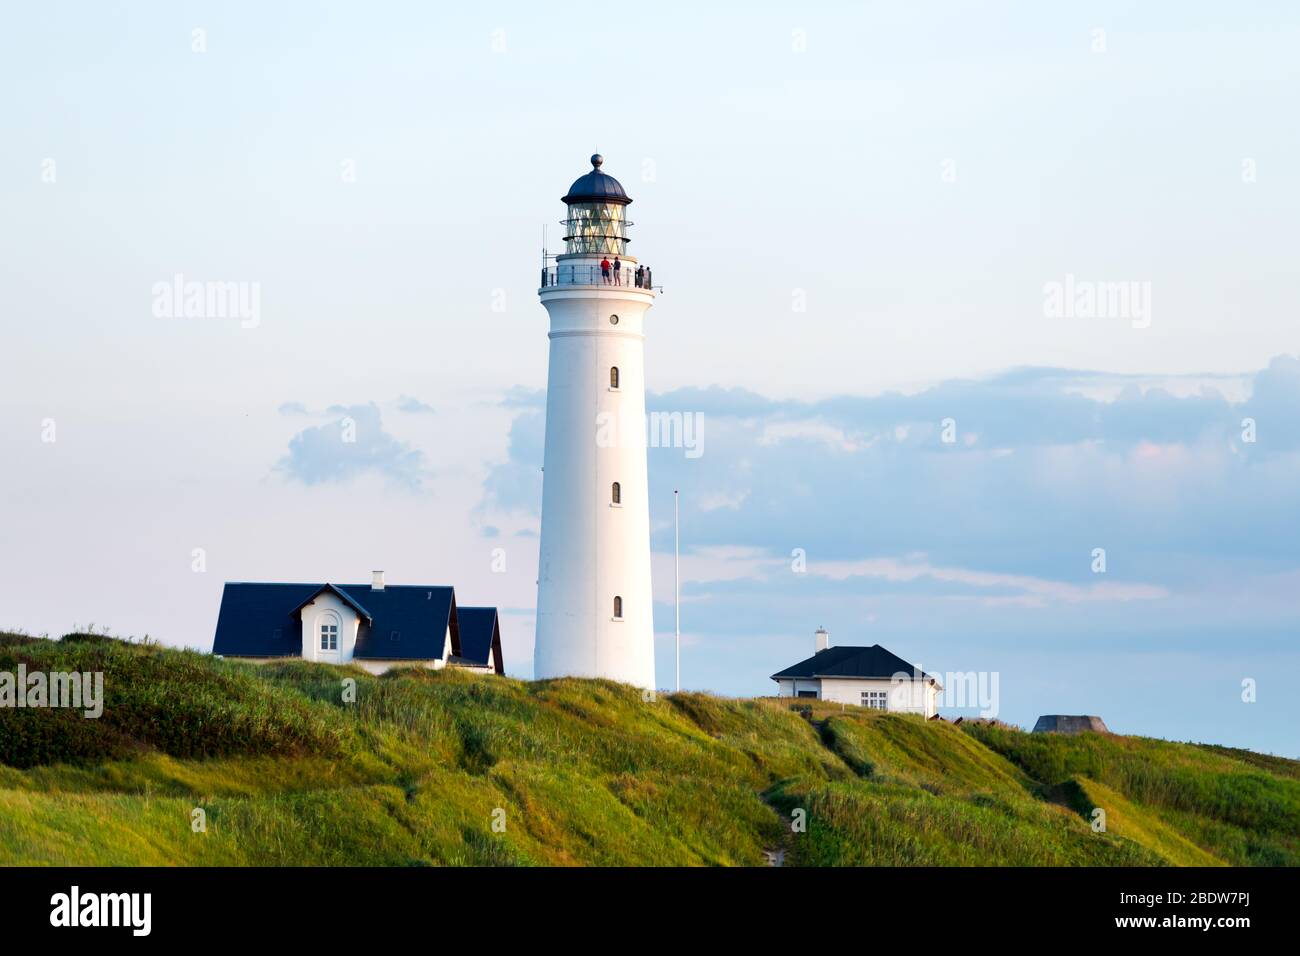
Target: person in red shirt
[{"x": 604, "y": 270}]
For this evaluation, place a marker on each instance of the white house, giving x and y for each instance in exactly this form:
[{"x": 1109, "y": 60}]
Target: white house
[
  {"x": 373, "y": 626},
  {"x": 864, "y": 676}
]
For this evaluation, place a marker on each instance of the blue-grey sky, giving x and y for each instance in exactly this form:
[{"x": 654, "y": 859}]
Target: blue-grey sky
[{"x": 857, "y": 211}]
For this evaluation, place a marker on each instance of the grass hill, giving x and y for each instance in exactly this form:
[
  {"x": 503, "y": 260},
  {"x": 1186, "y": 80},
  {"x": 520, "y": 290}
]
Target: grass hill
[{"x": 419, "y": 767}]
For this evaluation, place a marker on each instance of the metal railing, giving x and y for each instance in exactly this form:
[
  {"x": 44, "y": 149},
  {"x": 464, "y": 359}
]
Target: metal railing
[{"x": 593, "y": 275}]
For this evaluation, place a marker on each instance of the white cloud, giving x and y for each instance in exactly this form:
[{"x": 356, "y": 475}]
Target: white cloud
[{"x": 1036, "y": 591}]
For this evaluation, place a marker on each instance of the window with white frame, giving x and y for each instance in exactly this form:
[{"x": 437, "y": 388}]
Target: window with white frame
[
  {"x": 329, "y": 636},
  {"x": 875, "y": 699}
]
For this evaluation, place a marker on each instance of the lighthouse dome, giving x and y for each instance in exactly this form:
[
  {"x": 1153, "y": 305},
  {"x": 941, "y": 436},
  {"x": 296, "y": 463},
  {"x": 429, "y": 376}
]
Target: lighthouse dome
[{"x": 597, "y": 186}]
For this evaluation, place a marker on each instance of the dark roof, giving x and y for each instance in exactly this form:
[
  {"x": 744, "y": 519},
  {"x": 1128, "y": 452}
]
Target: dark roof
[
  {"x": 849, "y": 661},
  {"x": 597, "y": 186},
  {"x": 480, "y": 636},
  {"x": 261, "y": 620}
]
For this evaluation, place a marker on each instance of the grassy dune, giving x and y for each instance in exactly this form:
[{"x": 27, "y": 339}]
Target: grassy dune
[
  {"x": 1242, "y": 808},
  {"x": 448, "y": 768}
]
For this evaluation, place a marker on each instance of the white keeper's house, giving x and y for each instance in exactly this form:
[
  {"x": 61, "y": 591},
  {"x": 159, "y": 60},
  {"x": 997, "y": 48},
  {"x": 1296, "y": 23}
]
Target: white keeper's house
[
  {"x": 374, "y": 626},
  {"x": 863, "y": 676}
]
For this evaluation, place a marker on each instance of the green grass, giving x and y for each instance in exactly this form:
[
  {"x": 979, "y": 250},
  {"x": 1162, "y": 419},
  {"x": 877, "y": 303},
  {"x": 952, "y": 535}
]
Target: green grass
[
  {"x": 1241, "y": 807},
  {"x": 1127, "y": 819},
  {"x": 178, "y": 702},
  {"x": 889, "y": 824},
  {"x": 932, "y": 755},
  {"x": 450, "y": 768}
]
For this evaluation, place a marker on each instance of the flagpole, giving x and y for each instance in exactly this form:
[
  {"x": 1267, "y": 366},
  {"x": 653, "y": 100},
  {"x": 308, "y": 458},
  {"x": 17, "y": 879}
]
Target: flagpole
[{"x": 677, "y": 590}]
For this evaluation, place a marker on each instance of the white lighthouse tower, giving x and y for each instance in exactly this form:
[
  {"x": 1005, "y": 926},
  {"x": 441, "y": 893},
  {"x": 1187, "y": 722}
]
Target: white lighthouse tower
[{"x": 594, "y": 614}]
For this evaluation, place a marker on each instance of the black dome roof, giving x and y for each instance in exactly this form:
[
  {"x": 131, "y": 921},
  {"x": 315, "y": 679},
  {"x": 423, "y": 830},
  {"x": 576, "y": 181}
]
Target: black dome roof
[{"x": 597, "y": 186}]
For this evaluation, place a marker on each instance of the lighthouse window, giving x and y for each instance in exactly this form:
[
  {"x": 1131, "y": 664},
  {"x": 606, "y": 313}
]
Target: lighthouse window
[
  {"x": 596, "y": 227},
  {"x": 613, "y": 320},
  {"x": 613, "y": 377},
  {"x": 616, "y": 494},
  {"x": 618, "y": 608}
]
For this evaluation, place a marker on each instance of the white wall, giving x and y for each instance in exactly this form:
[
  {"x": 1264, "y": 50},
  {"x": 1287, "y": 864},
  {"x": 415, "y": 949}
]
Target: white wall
[
  {"x": 349, "y": 627},
  {"x": 907, "y": 697},
  {"x": 590, "y": 550},
  {"x": 380, "y": 665},
  {"x": 786, "y": 687},
  {"x": 322, "y": 606},
  {"x": 370, "y": 666}
]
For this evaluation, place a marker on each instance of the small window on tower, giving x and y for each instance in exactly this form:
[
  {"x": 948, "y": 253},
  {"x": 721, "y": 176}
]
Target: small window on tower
[
  {"x": 613, "y": 377},
  {"x": 618, "y": 608},
  {"x": 613, "y": 320},
  {"x": 616, "y": 494}
]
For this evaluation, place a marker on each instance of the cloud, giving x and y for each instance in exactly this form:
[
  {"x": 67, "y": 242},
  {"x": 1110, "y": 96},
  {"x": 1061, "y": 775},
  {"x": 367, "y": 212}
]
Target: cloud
[
  {"x": 516, "y": 484},
  {"x": 1036, "y": 406},
  {"x": 413, "y": 406},
  {"x": 293, "y": 408},
  {"x": 1038, "y": 475},
  {"x": 740, "y": 572},
  {"x": 520, "y": 397},
  {"x": 1025, "y": 588},
  {"x": 352, "y": 445}
]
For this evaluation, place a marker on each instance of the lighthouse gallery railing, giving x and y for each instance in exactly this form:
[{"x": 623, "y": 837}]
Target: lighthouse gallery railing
[{"x": 591, "y": 275}]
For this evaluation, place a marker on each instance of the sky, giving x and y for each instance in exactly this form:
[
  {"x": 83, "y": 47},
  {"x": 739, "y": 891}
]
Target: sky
[{"x": 958, "y": 295}]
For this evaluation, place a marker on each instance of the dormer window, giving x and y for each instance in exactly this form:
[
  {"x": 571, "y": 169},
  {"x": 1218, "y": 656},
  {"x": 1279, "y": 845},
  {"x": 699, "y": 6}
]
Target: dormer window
[{"x": 329, "y": 635}]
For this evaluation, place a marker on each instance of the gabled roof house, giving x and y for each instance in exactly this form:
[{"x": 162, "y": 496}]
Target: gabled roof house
[{"x": 374, "y": 626}]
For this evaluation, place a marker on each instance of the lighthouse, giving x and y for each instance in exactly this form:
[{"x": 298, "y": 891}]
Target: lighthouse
[{"x": 594, "y": 605}]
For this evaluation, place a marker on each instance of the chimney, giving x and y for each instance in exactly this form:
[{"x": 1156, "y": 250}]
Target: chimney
[
  {"x": 377, "y": 580},
  {"x": 823, "y": 639}
]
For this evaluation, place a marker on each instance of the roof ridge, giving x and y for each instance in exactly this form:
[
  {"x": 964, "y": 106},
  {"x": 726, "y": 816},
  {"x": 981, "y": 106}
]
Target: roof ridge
[
  {"x": 392, "y": 587},
  {"x": 318, "y": 584},
  {"x": 854, "y": 661}
]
